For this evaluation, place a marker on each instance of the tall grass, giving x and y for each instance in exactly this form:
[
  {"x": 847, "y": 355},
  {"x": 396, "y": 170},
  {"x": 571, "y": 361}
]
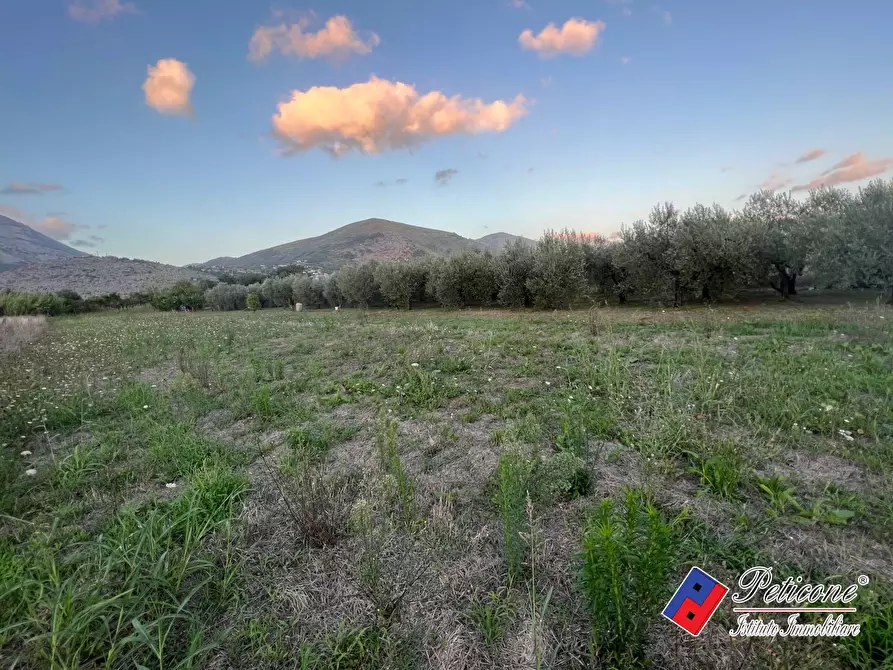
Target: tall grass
[{"x": 627, "y": 559}]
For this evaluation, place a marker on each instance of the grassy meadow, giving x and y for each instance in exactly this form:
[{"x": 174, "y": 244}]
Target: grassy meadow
[{"x": 438, "y": 489}]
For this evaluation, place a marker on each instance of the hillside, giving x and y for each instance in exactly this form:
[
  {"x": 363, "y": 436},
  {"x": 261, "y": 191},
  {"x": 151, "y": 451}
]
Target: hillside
[
  {"x": 496, "y": 242},
  {"x": 371, "y": 239},
  {"x": 20, "y": 244},
  {"x": 93, "y": 275}
]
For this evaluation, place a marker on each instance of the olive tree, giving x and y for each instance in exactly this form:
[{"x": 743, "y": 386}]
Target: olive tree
[
  {"x": 856, "y": 238},
  {"x": 780, "y": 236},
  {"x": 399, "y": 281},
  {"x": 558, "y": 275},
  {"x": 512, "y": 268}
]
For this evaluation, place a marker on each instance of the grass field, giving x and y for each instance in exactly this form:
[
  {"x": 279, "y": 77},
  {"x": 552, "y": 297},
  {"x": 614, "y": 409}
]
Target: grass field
[{"x": 438, "y": 489}]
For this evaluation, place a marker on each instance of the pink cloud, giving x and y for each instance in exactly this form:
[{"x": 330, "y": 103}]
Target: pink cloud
[
  {"x": 626, "y": 60},
  {"x": 852, "y": 168},
  {"x": 97, "y": 10},
  {"x": 168, "y": 87},
  {"x": 336, "y": 40},
  {"x": 381, "y": 115},
  {"x": 51, "y": 226},
  {"x": 776, "y": 182},
  {"x": 811, "y": 155},
  {"x": 576, "y": 36},
  {"x": 23, "y": 188}
]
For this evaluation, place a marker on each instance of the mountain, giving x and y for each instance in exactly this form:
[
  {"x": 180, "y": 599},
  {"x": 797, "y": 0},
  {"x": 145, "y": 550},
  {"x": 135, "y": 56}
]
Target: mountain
[
  {"x": 20, "y": 244},
  {"x": 371, "y": 239},
  {"x": 96, "y": 275},
  {"x": 496, "y": 242},
  {"x": 376, "y": 239}
]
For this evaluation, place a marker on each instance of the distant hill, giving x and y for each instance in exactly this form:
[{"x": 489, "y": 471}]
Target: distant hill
[
  {"x": 495, "y": 242},
  {"x": 21, "y": 244},
  {"x": 95, "y": 275},
  {"x": 371, "y": 239}
]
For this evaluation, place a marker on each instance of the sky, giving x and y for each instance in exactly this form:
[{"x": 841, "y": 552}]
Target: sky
[{"x": 182, "y": 130}]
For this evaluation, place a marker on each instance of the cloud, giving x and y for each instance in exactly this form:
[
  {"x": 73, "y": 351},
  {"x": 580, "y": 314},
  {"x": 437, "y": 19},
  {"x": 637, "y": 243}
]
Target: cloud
[
  {"x": 56, "y": 227},
  {"x": 397, "y": 182},
  {"x": 576, "y": 36},
  {"x": 52, "y": 226},
  {"x": 92, "y": 11},
  {"x": 852, "y": 168},
  {"x": 663, "y": 14},
  {"x": 725, "y": 168},
  {"x": 741, "y": 197},
  {"x": 168, "y": 87},
  {"x": 337, "y": 40},
  {"x": 29, "y": 188},
  {"x": 519, "y": 4},
  {"x": 811, "y": 155},
  {"x": 546, "y": 82},
  {"x": 443, "y": 177},
  {"x": 626, "y": 60},
  {"x": 776, "y": 182},
  {"x": 381, "y": 115},
  {"x": 625, "y": 5}
]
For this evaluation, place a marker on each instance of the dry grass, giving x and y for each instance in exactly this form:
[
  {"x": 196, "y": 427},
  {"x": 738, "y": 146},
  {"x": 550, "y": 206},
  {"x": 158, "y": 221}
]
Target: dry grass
[{"x": 18, "y": 331}]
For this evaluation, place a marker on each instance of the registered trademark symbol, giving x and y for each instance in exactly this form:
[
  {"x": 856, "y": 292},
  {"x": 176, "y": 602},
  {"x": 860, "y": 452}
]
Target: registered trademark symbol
[{"x": 862, "y": 579}]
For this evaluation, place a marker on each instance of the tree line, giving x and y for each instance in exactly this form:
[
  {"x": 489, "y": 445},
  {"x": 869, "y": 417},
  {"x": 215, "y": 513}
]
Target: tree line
[{"x": 843, "y": 240}]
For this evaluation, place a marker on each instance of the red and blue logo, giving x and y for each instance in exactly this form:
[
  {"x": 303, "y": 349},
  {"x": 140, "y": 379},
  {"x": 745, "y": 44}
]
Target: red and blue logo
[{"x": 695, "y": 601}]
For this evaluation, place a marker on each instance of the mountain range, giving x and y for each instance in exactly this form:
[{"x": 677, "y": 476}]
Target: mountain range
[{"x": 370, "y": 239}]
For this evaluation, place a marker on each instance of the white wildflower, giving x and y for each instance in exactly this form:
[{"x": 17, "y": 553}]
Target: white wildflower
[
  {"x": 171, "y": 485},
  {"x": 548, "y": 383},
  {"x": 24, "y": 453},
  {"x": 415, "y": 365},
  {"x": 30, "y": 472}
]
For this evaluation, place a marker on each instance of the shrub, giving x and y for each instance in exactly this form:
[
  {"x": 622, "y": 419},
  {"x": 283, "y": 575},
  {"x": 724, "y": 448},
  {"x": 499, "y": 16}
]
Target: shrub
[
  {"x": 181, "y": 293},
  {"x": 627, "y": 559},
  {"x": 357, "y": 284},
  {"x": 252, "y": 301}
]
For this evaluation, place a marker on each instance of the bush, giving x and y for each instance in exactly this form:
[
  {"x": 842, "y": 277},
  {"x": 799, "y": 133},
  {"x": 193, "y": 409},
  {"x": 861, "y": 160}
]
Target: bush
[
  {"x": 277, "y": 292},
  {"x": 24, "y": 304},
  {"x": 252, "y": 301}
]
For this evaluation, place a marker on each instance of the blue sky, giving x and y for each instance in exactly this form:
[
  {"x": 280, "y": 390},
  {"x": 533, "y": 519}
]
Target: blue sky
[{"x": 714, "y": 99}]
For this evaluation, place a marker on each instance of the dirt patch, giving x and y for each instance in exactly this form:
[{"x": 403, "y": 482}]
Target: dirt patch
[{"x": 818, "y": 470}]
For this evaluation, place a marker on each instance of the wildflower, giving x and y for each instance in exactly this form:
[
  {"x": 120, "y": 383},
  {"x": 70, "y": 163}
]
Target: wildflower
[
  {"x": 24, "y": 453},
  {"x": 489, "y": 379},
  {"x": 415, "y": 365},
  {"x": 548, "y": 383},
  {"x": 171, "y": 485},
  {"x": 145, "y": 407},
  {"x": 30, "y": 472},
  {"x": 845, "y": 434}
]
